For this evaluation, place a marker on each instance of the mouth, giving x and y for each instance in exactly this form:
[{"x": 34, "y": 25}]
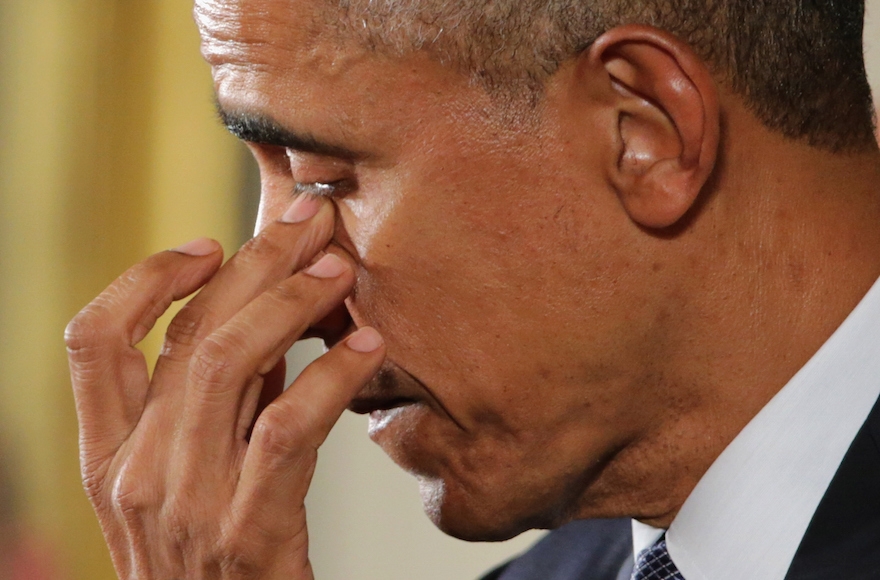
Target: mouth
[
  {"x": 391, "y": 388},
  {"x": 367, "y": 405}
]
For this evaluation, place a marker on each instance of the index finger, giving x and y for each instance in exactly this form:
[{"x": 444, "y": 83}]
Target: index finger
[{"x": 274, "y": 254}]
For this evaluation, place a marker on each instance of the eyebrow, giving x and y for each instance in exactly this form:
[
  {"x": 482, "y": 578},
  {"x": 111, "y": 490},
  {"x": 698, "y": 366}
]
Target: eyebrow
[{"x": 264, "y": 130}]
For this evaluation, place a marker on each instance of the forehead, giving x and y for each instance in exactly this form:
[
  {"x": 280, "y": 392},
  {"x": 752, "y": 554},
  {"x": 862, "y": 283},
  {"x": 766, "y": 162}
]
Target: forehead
[
  {"x": 271, "y": 37},
  {"x": 289, "y": 57},
  {"x": 234, "y": 31}
]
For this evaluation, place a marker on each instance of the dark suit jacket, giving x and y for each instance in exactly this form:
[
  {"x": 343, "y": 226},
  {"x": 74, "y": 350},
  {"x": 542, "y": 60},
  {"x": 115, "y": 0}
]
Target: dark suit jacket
[{"x": 842, "y": 541}]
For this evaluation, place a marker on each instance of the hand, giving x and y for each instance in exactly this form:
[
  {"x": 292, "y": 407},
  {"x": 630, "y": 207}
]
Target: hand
[{"x": 185, "y": 482}]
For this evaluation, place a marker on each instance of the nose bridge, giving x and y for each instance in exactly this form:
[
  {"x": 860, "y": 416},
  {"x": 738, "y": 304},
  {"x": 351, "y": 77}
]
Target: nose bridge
[
  {"x": 268, "y": 210},
  {"x": 276, "y": 191},
  {"x": 264, "y": 216}
]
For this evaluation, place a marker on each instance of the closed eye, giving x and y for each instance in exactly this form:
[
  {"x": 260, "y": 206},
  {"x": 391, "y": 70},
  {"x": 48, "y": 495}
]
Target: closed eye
[{"x": 332, "y": 189}]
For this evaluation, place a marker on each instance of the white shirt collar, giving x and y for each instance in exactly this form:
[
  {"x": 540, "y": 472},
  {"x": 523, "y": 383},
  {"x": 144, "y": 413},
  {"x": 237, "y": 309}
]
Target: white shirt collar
[
  {"x": 644, "y": 537},
  {"x": 759, "y": 496}
]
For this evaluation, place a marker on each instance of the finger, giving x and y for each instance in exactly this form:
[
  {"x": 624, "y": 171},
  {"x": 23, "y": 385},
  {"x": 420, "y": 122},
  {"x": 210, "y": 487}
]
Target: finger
[
  {"x": 109, "y": 374},
  {"x": 333, "y": 327},
  {"x": 251, "y": 344},
  {"x": 280, "y": 458},
  {"x": 279, "y": 250},
  {"x": 271, "y": 385}
]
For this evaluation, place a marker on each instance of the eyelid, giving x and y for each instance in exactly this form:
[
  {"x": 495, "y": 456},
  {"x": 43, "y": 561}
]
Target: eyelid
[
  {"x": 271, "y": 157},
  {"x": 302, "y": 158},
  {"x": 319, "y": 175}
]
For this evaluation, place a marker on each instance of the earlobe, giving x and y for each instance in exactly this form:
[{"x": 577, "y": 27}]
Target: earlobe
[{"x": 666, "y": 109}]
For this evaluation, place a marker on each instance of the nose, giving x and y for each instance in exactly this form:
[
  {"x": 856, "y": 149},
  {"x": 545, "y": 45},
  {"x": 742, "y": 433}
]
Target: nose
[
  {"x": 337, "y": 325},
  {"x": 271, "y": 208}
]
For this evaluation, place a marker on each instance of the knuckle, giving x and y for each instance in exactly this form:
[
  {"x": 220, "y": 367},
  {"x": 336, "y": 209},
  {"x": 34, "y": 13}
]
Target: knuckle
[
  {"x": 277, "y": 435},
  {"x": 132, "y": 498},
  {"x": 289, "y": 292},
  {"x": 185, "y": 515},
  {"x": 88, "y": 331},
  {"x": 187, "y": 327},
  {"x": 213, "y": 364},
  {"x": 239, "y": 558},
  {"x": 101, "y": 319},
  {"x": 244, "y": 544},
  {"x": 179, "y": 528},
  {"x": 262, "y": 247}
]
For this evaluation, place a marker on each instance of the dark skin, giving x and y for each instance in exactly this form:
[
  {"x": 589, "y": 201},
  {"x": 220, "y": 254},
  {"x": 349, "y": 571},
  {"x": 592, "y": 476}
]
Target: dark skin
[
  {"x": 601, "y": 281},
  {"x": 196, "y": 412}
]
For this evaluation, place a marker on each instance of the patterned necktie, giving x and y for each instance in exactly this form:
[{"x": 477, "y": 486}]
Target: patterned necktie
[{"x": 655, "y": 564}]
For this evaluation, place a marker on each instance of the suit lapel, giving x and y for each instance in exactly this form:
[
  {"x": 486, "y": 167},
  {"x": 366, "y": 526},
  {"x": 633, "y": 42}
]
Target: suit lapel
[
  {"x": 580, "y": 550},
  {"x": 843, "y": 538},
  {"x": 841, "y": 542}
]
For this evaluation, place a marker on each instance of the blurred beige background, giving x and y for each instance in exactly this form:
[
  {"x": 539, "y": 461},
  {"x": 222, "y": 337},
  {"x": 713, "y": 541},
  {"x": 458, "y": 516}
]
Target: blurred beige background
[{"x": 109, "y": 151}]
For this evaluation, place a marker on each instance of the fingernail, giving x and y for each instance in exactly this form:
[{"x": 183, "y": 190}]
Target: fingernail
[
  {"x": 365, "y": 340},
  {"x": 303, "y": 208},
  {"x": 198, "y": 247},
  {"x": 330, "y": 266}
]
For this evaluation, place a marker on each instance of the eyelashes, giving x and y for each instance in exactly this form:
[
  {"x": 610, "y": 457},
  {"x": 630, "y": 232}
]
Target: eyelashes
[
  {"x": 315, "y": 188},
  {"x": 331, "y": 189}
]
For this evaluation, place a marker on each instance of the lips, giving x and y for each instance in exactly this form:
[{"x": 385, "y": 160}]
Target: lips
[
  {"x": 367, "y": 405},
  {"x": 390, "y": 388}
]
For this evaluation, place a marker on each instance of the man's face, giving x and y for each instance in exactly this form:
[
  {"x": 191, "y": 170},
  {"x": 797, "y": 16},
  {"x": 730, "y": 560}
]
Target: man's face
[{"x": 491, "y": 256}]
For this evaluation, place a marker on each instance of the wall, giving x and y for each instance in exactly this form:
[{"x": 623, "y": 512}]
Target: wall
[
  {"x": 872, "y": 45},
  {"x": 109, "y": 151}
]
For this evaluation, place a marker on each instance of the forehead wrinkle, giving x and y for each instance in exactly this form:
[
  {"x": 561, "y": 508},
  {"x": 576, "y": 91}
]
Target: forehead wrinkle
[
  {"x": 246, "y": 30},
  {"x": 217, "y": 20}
]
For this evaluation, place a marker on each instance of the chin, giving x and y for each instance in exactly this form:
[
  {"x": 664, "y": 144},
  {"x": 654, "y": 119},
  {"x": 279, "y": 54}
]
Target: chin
[
  {"x": 472, "y": 490},
  {"x": 476, "y": 507},
  {"x": 459, "y": 520}
]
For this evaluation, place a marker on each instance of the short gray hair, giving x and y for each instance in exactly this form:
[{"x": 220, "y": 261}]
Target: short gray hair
[{"x": 797, "y": 63}]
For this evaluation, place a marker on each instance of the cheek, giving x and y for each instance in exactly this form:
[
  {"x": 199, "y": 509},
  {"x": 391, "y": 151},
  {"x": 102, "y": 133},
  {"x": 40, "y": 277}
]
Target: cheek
[
  {"x": 496, "y": 276},
  {"x": 457, "y": 300},
  {"x": 364, "y": 225},
  {"x": 484, "y": 306}
]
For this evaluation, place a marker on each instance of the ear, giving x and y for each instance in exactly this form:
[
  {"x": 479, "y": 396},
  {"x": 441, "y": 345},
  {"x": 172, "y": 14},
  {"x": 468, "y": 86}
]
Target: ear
[{"x": 664, "y": 102}]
